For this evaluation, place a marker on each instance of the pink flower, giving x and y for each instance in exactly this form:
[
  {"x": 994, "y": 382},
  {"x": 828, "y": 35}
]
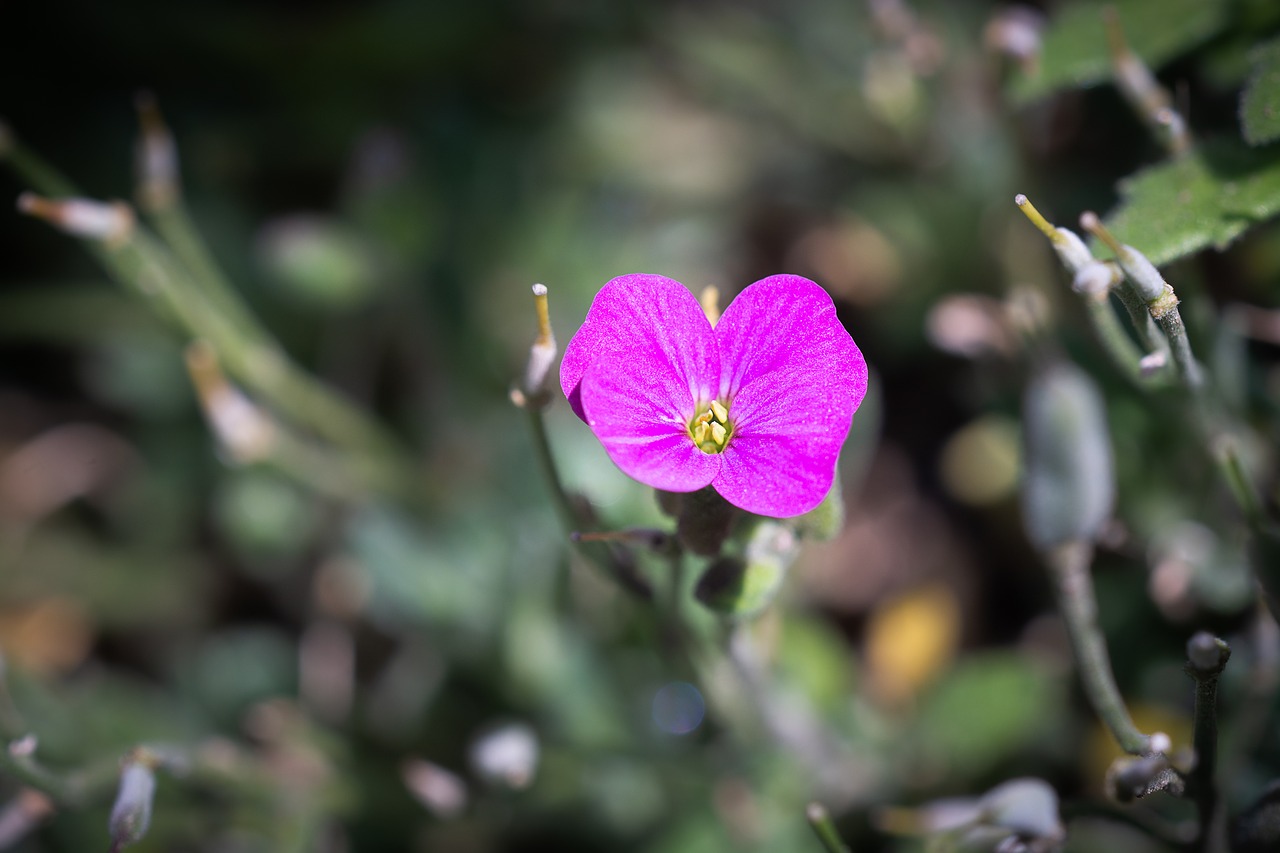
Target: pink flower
[{"x": 756, "y": 407}]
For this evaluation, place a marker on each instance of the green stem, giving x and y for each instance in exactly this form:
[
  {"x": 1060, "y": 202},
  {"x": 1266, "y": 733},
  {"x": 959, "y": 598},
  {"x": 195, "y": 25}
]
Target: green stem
[
  {"x": 547, "y": 467},
  {"x": 1140, "y": 315},
  {"x": 174, "y": 227},
  {"x": 1069, "y": 565},
  {"x": 1208, "y": 656},
  {"x": 820, "y": 822},
  {"x": 1241, "y": 486},
  {"x": 1120, "y": 348},
  {"x": 215, "y": 314},
  {"x": 35, "y": 171},
  {"x": 1188, "y": 369},
  {"x": 609, "y": 559}
]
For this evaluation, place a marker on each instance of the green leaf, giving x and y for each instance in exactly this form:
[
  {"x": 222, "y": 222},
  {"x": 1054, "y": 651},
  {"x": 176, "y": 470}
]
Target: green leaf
[
  {"x": 1075, "y": 50},
  {"x": 1260, "y": 101},
  {"x": 988, "y": 708},
  {"x": 1206, "y": 199}
]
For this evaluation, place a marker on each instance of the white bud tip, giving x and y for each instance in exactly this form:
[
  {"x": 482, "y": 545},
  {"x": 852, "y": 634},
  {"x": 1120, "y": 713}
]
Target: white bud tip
[
  {"x": 1019, "y": 199},
  {"x": 539, "y": 290},
  {"x": 1160, "y": 742},
  {"x": 1088, "y": 220}
]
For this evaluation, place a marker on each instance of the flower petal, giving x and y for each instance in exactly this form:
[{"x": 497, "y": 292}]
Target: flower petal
[
  {"x": 781, "y": 460},
  {"x": 787, "y": 325},
  {"x": 656, "y": 360},
  {"x": 794, "y": 378},
  {"x": 625, "y": 313}
]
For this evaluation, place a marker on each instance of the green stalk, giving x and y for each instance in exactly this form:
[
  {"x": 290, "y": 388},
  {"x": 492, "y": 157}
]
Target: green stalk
[{"x": 1069, "y": 565}]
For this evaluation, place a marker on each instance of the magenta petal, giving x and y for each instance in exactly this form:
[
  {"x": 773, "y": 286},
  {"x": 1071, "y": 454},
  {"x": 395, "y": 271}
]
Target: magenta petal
[
  {"x": 626, "y": 311},
  {"x": 639, "y": 394},
  {"x": 781, "y": 460},
  {"x": 793, "y": 378},
  {"x": 787, "y": 325}
]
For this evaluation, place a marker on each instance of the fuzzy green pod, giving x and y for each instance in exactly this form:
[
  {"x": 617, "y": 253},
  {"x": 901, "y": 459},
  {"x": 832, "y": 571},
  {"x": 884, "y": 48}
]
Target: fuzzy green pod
[{"x": 1068, "y": 487}]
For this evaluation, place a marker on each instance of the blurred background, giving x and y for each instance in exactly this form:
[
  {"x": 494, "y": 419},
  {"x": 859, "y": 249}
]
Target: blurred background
[{"x": 424, "y": 667}]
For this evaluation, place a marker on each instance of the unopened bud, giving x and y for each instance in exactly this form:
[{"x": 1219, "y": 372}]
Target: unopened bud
[
  {"x": 507, "y": 756},
  {"x": 242, "y": 428},
  {"x": 110, "y": 222},
  {"x": 542, "y": 355},
  {"x": 1152, "y": 363},
  {"x": 131, "y": 814},
  {"x": 1096, "y": 277},
  {"x": 1144, "y": 275},
  {"x": 743, "y": 587},
  {"x": 156, "y": 157},
  {"x": 1207, "y": 654},
  {"x": 441, "y": 792},
  {"x": 1070, "y": 249},
  {"x": 1015, "y": 31}
]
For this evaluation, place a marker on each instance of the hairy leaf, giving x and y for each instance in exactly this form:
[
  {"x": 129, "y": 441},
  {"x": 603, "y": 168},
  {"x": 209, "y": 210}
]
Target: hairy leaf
[
  {"x": 1075, "y": 49},
  {"x": 1206, "y": 199},
  {"x": 1260, "y": 102}
]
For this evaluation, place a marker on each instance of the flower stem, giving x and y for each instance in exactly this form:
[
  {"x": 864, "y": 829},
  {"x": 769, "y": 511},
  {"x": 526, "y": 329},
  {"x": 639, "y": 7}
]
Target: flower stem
[
  {"x": 1140, "y": 316},
  {"x": 547, "y": 467},
  {"x": 1119, "y": 347},
  {"x": 212, "y": 312},
  {"x": 1189, "y": 371},
  {"x": 605, "y": 556},
  {"x": 1207, "y": 657},
  {"x": 1069, "y": 564}
]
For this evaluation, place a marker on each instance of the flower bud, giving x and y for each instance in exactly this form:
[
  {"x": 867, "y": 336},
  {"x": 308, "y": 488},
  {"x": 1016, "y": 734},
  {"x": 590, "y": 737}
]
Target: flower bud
[
  {"x": 1096, "y": 277},
  {"x": 244, "y": 429},
  {"x": 506, "y": 756},
  {"x": 81, "y": 217},
  {"x": 131, "y": 814},
  {"x": 1207, "y": 654},
  {"x": 1068, "y": 487},
  {"x": 745, "y": 587},
  {"x": 543, "y": 352},
  {"x": 156, "y": 157},
  {"x": 1070, "y": 249},
  {"x": 1146, "y": 279}
]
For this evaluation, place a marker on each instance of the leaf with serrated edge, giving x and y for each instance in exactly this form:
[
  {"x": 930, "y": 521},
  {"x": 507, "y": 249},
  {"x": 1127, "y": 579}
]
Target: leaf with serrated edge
[
  {"x": 1206, "y": 199},
  {"x": 1075, "y": 53}
]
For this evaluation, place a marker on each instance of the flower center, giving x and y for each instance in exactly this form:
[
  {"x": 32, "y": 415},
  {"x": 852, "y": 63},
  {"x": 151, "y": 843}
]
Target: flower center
[{"x": 711, "y": 429}]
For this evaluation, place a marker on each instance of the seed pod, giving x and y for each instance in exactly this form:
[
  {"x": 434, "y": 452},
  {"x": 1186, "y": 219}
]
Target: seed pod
[{"x": 1068, "y": 488}]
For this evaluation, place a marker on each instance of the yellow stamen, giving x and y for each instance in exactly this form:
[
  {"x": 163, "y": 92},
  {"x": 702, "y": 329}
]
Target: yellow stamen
[
  {"x": 719, "y": 412},
  {"x": 718, "y": 434}
]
